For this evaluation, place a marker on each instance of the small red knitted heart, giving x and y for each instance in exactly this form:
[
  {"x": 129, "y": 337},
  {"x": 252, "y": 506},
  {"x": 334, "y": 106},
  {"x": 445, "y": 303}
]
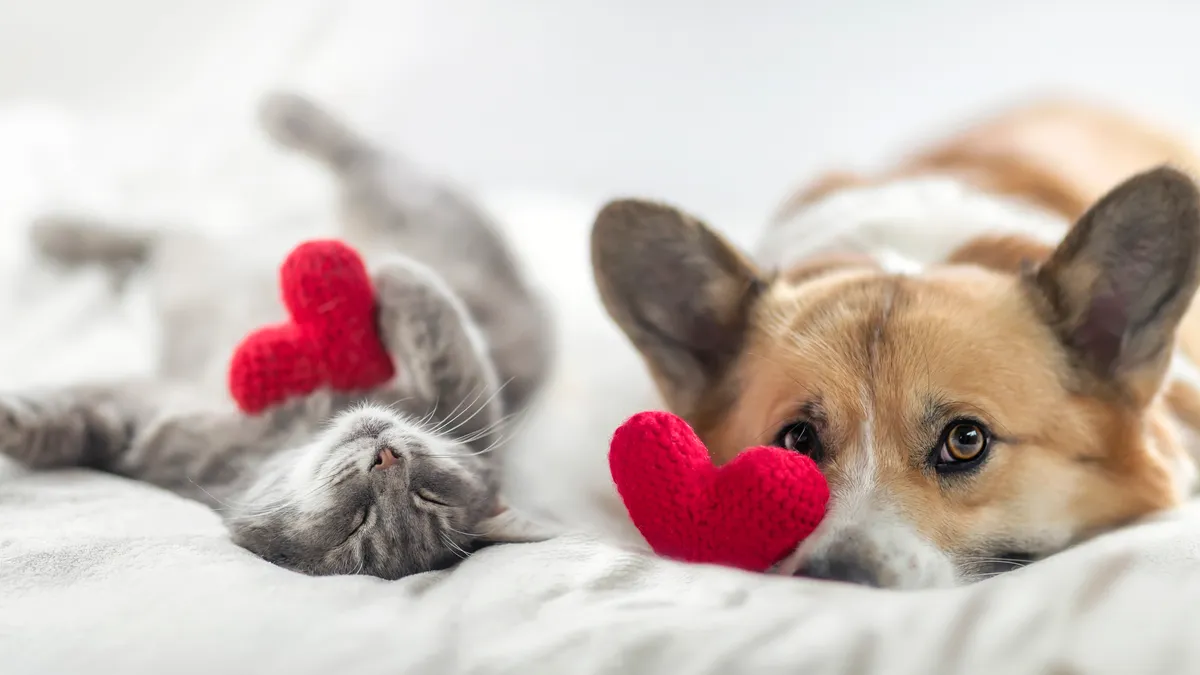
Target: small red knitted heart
[
  {"x": 749, "y": 513},
  {"x": 331, "y": 339}
]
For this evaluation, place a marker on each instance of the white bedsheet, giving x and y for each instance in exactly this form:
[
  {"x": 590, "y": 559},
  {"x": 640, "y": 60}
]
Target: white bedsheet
[{"x": 102, "y": 575}]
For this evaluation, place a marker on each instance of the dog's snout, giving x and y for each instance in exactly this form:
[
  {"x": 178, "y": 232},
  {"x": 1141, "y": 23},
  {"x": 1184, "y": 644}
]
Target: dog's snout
[
  {"x": 847, "y": 568},
  {"x": 860, "y": 542}
]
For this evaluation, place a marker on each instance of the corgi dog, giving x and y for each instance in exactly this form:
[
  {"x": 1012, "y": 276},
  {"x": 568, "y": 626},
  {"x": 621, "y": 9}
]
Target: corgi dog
[{"x": 987, "y": 348}]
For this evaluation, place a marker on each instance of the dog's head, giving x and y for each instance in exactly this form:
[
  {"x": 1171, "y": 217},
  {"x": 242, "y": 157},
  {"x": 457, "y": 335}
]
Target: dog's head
[{"x": 964, "y": 415}]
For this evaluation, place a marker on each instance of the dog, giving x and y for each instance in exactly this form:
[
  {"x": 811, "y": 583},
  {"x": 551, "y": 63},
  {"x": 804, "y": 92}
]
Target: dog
[{"x": 988, "y": 348}]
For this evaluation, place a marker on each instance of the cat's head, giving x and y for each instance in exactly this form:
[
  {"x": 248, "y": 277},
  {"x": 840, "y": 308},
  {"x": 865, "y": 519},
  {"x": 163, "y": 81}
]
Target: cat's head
[{"x": 376, "y": 494}]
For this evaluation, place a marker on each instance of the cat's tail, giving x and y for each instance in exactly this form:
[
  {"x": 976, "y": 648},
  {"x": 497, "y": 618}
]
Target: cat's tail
[
  {"x": 296, "y": 122},
  {"x": 76, "y": 241}
]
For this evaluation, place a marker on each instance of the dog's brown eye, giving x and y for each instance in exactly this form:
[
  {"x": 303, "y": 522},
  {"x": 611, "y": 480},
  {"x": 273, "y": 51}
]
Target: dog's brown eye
[
  {"x": 800, "y": 437},
  {"x": 963, "y": 442}
]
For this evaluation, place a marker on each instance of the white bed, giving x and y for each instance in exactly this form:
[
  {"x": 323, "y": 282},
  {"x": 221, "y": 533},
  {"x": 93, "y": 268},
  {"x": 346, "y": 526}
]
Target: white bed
[{"x": 102, "y": 575}]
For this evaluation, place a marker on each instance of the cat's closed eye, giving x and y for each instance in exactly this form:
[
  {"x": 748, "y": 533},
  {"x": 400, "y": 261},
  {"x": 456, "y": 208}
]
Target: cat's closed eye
[
  {"x": 430, "y": 498},
  {"x": 359, "y": 520}
]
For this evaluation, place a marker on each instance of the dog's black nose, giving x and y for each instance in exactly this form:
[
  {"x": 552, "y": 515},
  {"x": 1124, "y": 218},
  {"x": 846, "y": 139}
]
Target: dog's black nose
[{"x": 850, "y": 569}]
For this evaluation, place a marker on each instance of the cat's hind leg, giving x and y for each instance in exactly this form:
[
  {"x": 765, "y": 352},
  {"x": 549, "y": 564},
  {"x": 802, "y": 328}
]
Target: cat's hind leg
[
  {"x": 74, "y": 241},
  {"x": 146, "y": 430},
  {"x": 295, "y": 122},
  {"x": 84, "y": 425}
]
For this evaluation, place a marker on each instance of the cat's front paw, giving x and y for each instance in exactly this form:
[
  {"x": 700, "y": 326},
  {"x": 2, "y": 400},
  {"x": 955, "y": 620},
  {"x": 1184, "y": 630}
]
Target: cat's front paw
[
  {"x": 418, "y": 313},
  {"x": 401, "y": 282},
  {"x": 435, "y": 346}
]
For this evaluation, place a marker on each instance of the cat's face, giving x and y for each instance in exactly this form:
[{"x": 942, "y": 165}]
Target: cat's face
[{"x": 375, "y": 494}]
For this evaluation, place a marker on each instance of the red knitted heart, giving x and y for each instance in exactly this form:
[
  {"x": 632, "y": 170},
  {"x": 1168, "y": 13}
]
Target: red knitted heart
[
  {"x": 331, "y": 339},
  {"x": 749, "y": 513}
]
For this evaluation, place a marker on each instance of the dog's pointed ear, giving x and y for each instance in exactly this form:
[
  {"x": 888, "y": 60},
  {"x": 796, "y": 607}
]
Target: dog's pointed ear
[
  {"x": 1119, "y": 284},
  {"x": 681, "y": 293}
]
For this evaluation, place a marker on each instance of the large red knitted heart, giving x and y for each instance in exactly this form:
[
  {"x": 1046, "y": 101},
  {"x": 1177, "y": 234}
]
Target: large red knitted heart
[
  {"x": 331, "y": 339},
  {"x": 749, "y": 513}
]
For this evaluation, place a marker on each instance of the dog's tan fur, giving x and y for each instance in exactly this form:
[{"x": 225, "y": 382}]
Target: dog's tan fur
[
  {"x": 1089, "y": 434},
  {"x": 1062, "y": 155}
]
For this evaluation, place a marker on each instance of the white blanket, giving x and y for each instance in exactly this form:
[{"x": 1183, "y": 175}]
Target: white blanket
[
  {"x": 102, "y": 575},
  {"x": 106, "y": 576}
]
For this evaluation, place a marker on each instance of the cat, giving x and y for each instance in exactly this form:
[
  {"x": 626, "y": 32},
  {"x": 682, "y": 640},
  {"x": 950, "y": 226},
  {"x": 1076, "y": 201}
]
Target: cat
[{"x": 389, "y": 482}]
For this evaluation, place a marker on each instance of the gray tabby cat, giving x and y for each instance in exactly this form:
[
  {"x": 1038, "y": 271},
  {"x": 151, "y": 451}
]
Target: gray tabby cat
[{"x": 388, "y": 482}]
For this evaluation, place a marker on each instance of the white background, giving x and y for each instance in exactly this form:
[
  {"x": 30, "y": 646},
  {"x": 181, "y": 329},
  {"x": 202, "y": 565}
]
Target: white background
[{"x": 721, "y": 106}]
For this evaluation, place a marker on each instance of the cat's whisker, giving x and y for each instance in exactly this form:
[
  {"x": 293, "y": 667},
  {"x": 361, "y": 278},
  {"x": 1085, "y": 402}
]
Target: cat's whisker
[
  {"x": 215, "y": 498},
  {"x": 508, "y": 433},
  {"x": 463, "y": 406},
  {"x": 1018, "y": 562},
  {"x": 465, "y": 534},
  {"x": 507, "y": 436},
  {"x": 458, "y": 550},
  {"x": 275, "y": 504},
  {"x": 428, "y": 416},
  {"x": 493, "y": 446},
  {"x": 482, "y": 406},
  {"x": 978, "y": 568},
  {"x": 491, "y": 428},
  {"x": 394, "y": 406}
]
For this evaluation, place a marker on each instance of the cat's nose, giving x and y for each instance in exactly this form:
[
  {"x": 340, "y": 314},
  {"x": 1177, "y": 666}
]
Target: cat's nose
[{"x": 387, "y": 457}]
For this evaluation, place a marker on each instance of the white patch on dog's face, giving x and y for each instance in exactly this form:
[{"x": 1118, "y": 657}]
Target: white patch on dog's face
[{"x": 863, "y": 539}]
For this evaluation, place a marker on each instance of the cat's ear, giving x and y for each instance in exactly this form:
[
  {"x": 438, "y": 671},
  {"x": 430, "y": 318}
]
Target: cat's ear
[{"x": 510, "y": 526}]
